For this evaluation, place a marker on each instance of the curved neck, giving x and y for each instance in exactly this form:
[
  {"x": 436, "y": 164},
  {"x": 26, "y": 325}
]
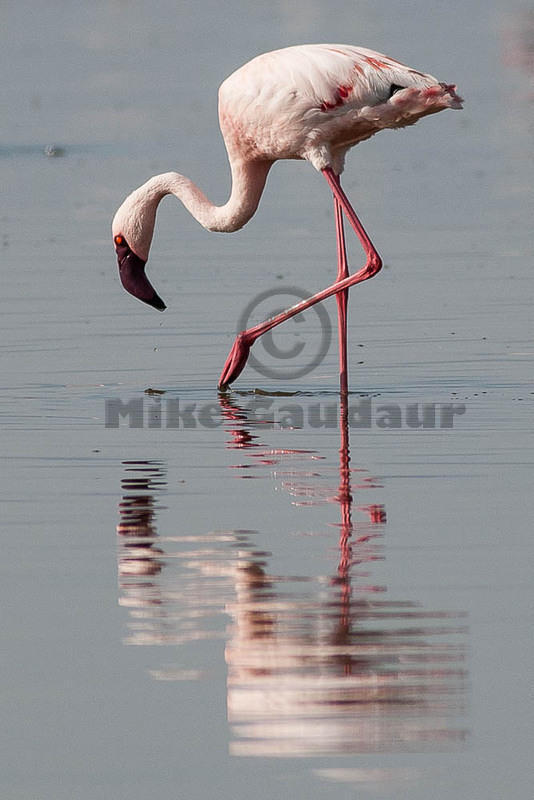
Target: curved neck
[{"x": 248, "y": 182}]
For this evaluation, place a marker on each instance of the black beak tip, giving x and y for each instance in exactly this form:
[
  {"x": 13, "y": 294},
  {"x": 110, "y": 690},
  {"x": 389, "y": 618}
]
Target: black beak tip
[{"x": 157, "y": 303}]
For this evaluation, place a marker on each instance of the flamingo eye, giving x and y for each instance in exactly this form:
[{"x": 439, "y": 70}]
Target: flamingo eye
[
  {"x": 119, "y": 239},
  {"x": 394, "y": 88}
]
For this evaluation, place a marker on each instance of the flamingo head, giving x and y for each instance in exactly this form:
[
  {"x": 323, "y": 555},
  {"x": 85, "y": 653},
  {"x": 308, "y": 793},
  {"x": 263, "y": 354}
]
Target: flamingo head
[
  {"x": 132, "y": 229},
  {"x": 132, "y": 274}
]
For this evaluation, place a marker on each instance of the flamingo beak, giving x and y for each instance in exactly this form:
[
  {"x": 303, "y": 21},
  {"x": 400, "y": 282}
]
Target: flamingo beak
[{"x": 132, "y": 275}]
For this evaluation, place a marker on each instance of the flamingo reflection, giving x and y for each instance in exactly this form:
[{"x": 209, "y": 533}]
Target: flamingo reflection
[
  {"x": 316, "y": 664},
  {"x": 139, "y": 555}
]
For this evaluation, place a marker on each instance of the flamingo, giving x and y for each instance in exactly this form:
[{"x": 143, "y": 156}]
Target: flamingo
[{"x": 311, "y": 102}]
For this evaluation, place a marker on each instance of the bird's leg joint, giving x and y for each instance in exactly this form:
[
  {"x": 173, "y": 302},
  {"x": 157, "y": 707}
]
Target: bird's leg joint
[{"x": 374, "y": 263}]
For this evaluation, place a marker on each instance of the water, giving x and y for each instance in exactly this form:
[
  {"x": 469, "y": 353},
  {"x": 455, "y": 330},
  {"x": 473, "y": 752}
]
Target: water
[{"x": 258, "y": 601}]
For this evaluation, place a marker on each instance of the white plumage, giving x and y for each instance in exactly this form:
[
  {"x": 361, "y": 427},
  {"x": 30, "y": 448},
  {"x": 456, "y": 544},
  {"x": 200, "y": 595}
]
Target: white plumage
[{"x": 317, "y": 101}]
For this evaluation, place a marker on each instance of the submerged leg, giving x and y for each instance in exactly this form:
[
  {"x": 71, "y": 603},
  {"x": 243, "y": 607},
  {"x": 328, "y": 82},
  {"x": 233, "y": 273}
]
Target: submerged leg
[{"x": 239, "y": 353}]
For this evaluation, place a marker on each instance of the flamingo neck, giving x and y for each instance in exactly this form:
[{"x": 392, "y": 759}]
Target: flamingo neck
[{"x": 248, "y": 182}]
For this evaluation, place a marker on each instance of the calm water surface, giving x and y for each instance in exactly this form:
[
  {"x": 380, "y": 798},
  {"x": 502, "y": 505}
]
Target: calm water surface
[{"x": 266, "y": 599}]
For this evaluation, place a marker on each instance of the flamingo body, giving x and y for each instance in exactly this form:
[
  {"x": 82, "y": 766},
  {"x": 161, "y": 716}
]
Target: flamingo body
[
  {"x": 315, "y": 102},
  {"x": 311, "y": 102}
]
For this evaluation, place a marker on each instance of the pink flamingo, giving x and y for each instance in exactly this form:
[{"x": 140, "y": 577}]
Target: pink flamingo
[{"x": 311, "y": 102}]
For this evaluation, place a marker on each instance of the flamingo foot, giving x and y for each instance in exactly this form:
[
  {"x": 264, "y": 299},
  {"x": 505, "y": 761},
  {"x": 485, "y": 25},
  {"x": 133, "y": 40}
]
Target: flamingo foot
[{"x": 237, "y": 358}]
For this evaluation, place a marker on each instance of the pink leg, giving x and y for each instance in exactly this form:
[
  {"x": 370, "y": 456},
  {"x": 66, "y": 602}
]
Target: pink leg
[
  {"x": 239, "y": 353},
  {"x": 341, "y": 298}
]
